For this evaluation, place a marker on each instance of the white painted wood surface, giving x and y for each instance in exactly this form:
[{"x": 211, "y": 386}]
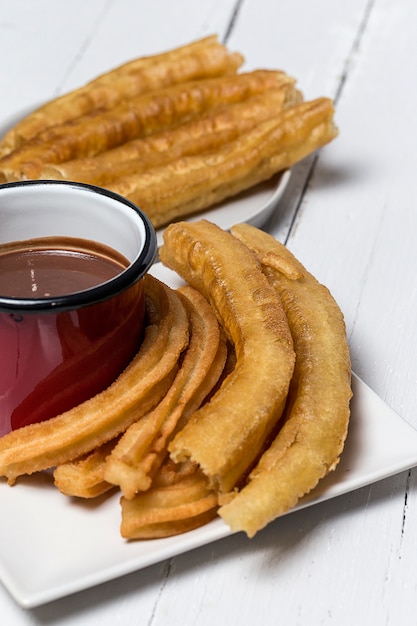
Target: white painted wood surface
[{"x": 351, "y": 217}]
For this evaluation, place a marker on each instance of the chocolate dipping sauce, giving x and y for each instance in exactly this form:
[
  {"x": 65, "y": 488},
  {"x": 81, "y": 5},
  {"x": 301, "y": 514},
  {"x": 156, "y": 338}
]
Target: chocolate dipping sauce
[
  {"x": 55, "y": 266},
  {"x": 89, "y": 346}
]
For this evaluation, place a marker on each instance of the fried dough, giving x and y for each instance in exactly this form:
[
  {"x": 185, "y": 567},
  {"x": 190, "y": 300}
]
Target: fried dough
[
  {"x": 204, "y": 134},
  {"x": 312, "y": 437},
  {"x": 192, "y": 183},
  {"x": 143, "y": 447},
  {"x": 96, "y": 132},
  {"x": 259, "y": 442},
  {"x": 135, "y": 392},
  {"x": 84, "y": 477},
  {"x": 227, "y": 433},
  {"x": 130, "y": 461},
  {"x": 179, "y": 500},
  {"x": 205, "y": 58}
]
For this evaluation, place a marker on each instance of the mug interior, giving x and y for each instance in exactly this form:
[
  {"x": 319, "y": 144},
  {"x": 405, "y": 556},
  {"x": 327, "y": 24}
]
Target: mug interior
[
  {"x": 36, "y": 209},
  {"x": 51, "y": 209}
]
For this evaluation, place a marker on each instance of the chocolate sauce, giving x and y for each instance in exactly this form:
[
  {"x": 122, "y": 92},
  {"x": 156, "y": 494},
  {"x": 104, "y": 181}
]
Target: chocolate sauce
[
  {"x": 56, "y": 266},
  {"x": 52, "y": 360}
]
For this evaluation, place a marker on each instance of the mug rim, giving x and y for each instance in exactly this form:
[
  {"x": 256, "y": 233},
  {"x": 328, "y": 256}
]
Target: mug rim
[{"x": 108, "y": 289}]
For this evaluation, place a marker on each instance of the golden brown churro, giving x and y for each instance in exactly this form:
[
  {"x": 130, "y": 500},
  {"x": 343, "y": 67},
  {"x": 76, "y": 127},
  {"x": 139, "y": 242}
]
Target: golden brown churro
[
  {"x": 205, "y": 58},
  {"x": 141, "y": 116},
  {"x": 312, "y": 437},
  {"x": 192, "y": 183},
  {"x": 83, "y": 477},
  {"x": 179, "y": 500},
  {"x": 143, "y": 447},
  {"x": 227, "y": 433},
  {"x": 137, "y": 390},
  {"x": 206, "y": 133}
]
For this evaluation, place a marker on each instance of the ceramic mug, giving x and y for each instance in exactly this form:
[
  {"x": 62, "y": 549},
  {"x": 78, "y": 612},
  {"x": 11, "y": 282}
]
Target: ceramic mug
[{"x": 65, "y": 340}]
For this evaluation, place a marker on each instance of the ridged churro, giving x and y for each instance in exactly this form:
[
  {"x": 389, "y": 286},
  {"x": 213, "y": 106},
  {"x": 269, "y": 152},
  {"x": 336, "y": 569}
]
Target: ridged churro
[
  {"x": 83, "y": 477},
  {"x": 143, "y": 447},
  {"x": 192, "y": 183},
  {"x": 206, "y": 133},
  {"x": 141, "y": 116},
  {"x": 134, "y": 393},
  {"x": 205, "y": 58},
  {"x": 312, "y": 437},
  {"x": 227, "y": 433},
  {"x": 179, "y": 500}
]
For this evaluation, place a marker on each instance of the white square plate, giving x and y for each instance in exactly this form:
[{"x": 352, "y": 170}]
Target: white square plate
[{"x": 66, "y": 545}]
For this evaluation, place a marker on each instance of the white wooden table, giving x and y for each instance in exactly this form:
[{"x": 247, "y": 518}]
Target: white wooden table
[{"x": 351, "y": 217}]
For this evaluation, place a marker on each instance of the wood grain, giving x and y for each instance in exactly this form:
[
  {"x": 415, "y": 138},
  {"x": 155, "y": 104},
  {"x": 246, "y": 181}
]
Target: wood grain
[{"x": 349, "y": 214}]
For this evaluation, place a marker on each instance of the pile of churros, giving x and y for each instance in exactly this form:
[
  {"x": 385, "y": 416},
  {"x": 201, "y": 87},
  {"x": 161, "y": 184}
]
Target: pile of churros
[
  {"x": 236, "y": 404},
  {"x": 175, "y": 133}
]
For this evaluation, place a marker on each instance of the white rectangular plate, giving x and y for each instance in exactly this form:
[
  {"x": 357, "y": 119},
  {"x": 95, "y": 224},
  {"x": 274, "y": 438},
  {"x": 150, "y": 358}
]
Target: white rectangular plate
[{"x": 52, "y": 546}]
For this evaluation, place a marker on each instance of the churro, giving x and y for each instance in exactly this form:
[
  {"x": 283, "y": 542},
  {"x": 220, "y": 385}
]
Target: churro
[
  {"x": 143, "y": 447},
  {"x": 141, "y": 116},
  {"x": 135, "y": 392},
  {"x": 192, "y": 183},
  {"x": 179, "y": 500},
  {"x": 227, "y": 433},
  {"x": 312, "y": 437},
  {"x": 83, "y": 477},
  {"x": 205, "y": 58},
  {"x": 206, "y": 133}
]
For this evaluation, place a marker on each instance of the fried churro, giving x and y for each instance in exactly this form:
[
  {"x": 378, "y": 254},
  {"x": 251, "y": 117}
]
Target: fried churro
[
  {"x": 200, "y": 135},
  {"x": 180, "y": 500},
  {"x": 83, "y": 477},
  {"x": 134, "y": 393},
  {"x": 312, "y": 437},
  {"x": 205, "y": 58},
  {"x": 192, "y": 183},
  {"x": 141, "y": 116},
  {"x": 143, "y": 447},
  {"x": 227, "y": 433}
]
